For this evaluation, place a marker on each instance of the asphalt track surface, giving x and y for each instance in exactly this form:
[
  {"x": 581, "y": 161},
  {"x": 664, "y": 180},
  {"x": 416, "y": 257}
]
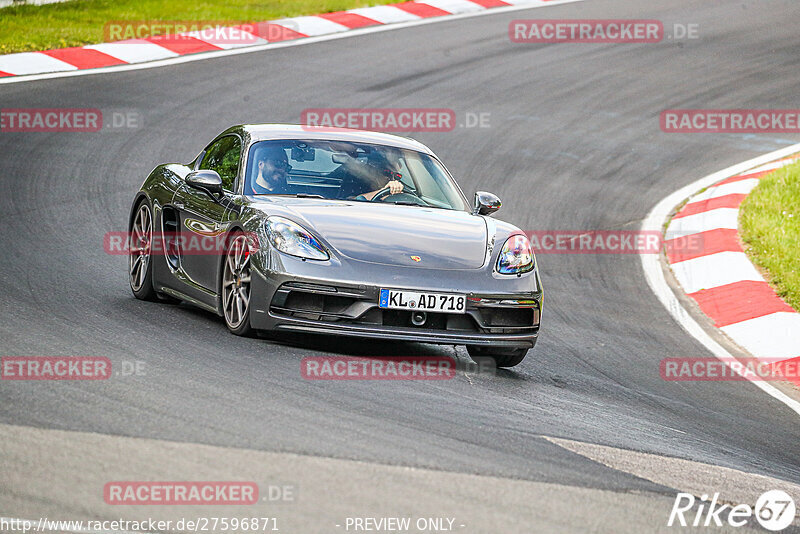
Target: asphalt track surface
[{"x": 574, "y": 144}]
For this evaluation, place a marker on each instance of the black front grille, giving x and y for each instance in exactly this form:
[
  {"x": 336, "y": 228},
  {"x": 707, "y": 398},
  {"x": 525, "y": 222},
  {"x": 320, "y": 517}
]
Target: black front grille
[
  {"x": 315, "y": 302},
  {"x": 317, "y": 306},
  {"x": 499, "y": 317}
]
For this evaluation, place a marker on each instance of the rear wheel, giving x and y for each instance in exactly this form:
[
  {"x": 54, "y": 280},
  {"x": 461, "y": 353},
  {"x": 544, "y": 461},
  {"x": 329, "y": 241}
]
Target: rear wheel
[
  {"x": 140, "y": 266},
  {"x": 236, "y": 287},
  {"x": 503, "y": 357}
]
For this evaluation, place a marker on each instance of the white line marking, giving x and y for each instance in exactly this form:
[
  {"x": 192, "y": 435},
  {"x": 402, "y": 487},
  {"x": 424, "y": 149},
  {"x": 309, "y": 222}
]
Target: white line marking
[
  {"x": 311, "y": 25},
  {"x": 454, "y": 6},
  {"x": 385, "y": 14},
  {"x": 133, "y": 51},
  {"x": 651, "y": 263},
  {"x": 704, "y": 221},
  {"x": 282, "y": 44},
  {"x": 776, "y": 335},
  {"x": 32, "y": 62},
  {"x": 714, "y": 270}
]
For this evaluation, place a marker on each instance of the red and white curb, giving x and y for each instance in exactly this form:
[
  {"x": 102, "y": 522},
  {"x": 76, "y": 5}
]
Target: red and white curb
[
  {"x": 164, "y": 48},
  {"x": 718, "y": 274}
]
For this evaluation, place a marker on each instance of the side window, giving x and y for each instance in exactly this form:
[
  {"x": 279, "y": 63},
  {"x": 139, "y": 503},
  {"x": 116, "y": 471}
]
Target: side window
[{"x": 223, "y": 157}]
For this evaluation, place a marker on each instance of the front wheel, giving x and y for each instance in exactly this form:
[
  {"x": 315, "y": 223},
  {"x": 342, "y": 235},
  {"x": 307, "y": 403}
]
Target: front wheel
[
  {"x": 140, "y": 268},
  {"x": 236, "y": 287},
  {"x": 503, "y": 357}
]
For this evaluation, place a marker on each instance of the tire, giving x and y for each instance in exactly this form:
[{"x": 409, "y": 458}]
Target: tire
[
  {"x": 235, "y": 286},
  {"x": 140, "y": 264},
  {"x": 505, "y": 357}
]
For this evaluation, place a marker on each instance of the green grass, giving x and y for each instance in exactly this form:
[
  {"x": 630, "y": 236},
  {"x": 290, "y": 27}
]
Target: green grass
[
  {"x": 81, "y": 22},
  {"x": 769, "y": 221}
]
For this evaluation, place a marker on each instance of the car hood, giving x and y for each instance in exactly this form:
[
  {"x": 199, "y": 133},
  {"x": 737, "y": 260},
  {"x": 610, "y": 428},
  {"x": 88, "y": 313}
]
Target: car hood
[{"x": 393, "y": 235}]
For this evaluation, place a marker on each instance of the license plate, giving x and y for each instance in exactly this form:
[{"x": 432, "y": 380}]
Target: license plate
[{"x": 393, "y": 299}]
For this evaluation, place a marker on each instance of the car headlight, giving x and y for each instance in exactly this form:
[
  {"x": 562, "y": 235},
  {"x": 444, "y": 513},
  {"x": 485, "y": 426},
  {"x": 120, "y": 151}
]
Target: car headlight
[
  {"x": 291, "y": 238},
  {"x": 516, "y": 257}
]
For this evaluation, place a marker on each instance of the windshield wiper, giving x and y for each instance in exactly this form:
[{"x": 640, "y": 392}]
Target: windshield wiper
[
  {"x": 407, "y": 203},
  {"x": 306, "y": 195}
]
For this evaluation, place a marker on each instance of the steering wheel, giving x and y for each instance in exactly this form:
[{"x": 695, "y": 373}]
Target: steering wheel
[{"x": 386, "y": 196}]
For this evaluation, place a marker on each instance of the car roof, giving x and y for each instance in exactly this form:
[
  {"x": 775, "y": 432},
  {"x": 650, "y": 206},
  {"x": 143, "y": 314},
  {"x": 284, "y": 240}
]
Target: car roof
[{"x": 265, "y": 132}]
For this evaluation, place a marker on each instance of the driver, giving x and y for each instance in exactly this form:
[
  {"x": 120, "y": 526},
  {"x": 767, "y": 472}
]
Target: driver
[
  {"x": 272, "y": 170},
  {"x": 387, "y": 164}
]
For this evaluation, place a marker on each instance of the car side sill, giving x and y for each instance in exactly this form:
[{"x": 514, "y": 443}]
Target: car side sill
[{"x": 191, "y": 300}]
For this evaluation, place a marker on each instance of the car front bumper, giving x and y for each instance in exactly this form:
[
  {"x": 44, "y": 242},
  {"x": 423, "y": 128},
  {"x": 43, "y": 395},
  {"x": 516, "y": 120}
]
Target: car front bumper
[{"x": 289, "y": 303}]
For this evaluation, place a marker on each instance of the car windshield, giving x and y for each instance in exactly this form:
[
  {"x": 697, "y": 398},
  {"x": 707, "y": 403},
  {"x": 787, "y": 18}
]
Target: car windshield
[{"x": 337, "y": 170}]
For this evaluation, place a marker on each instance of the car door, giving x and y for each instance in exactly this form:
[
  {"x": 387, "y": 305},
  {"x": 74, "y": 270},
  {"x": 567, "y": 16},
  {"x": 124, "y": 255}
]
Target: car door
[{"x": 203, "y": 221}]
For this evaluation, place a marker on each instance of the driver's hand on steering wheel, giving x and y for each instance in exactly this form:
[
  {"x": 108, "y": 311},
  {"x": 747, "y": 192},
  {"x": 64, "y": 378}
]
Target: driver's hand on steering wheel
[{"x": 395, "y": 187}]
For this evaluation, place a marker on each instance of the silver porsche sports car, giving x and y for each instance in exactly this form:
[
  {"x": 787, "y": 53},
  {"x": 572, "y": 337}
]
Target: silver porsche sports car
[{"x": 333, "y": 231}]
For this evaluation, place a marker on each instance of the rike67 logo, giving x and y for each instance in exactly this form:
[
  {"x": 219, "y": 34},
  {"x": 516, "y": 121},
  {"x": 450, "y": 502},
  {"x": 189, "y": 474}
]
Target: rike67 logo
[{"x": 774, "y": 510}]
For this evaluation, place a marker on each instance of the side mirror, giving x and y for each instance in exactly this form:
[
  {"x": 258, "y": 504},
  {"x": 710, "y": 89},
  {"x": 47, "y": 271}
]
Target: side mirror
[
  {"x": 206, "y": 181},
  {"x": 486, "y": 203}
]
